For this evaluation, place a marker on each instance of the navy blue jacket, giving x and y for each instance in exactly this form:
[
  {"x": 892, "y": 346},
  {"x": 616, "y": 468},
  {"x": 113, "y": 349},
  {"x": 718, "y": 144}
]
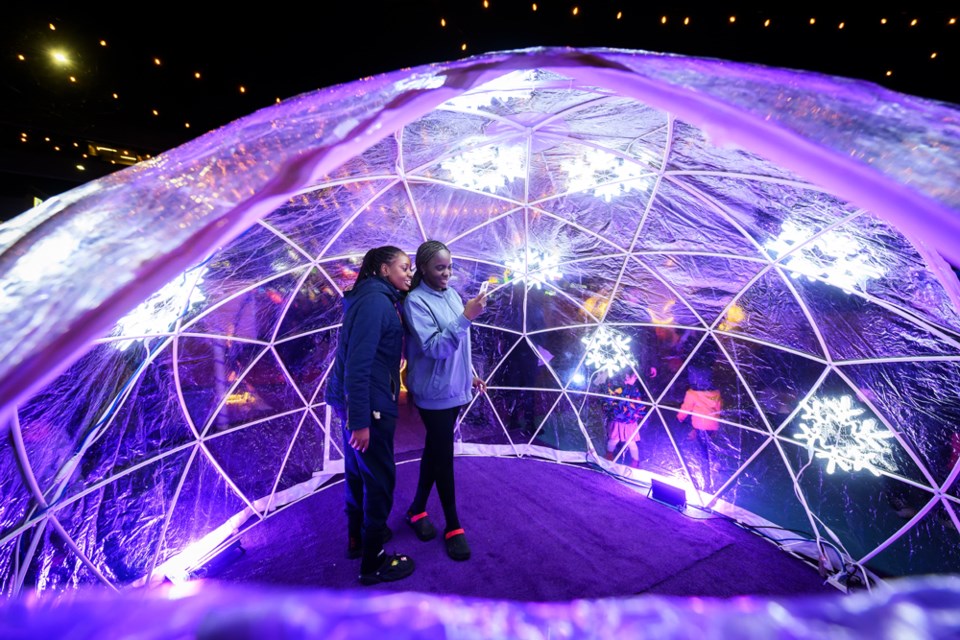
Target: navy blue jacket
[{"x": 366, "y": 372}]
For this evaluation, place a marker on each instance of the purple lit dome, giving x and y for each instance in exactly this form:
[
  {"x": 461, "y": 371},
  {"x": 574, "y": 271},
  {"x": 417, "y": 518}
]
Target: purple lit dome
[{"x": 768, "y": 251}]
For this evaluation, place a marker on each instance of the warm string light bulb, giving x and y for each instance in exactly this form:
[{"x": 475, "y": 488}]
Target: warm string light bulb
[
  {"x": 443, "y": 21},
  {"x": 663, "y": 19},
  {"x": 534, "y": 6},
  {"x": 733, "y": 19},
  {"x": 619, "y": 14},
  {"x": 21, "y": 57},
  {"x": 576, "y": 10},
  {"x": 103, "y": 43},
  {"x": 766, "y": 23},
  {"x": 156, "y": 61}
]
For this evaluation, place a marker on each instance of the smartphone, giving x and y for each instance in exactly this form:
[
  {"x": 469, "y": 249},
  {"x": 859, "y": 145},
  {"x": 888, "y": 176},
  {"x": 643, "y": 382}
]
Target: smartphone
[{"x": 483, "y": 287}]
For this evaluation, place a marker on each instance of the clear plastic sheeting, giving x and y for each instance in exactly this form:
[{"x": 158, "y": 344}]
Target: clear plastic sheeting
[
  {"x": 920, "y": 609},
  {"x": 748, "y": 263}
]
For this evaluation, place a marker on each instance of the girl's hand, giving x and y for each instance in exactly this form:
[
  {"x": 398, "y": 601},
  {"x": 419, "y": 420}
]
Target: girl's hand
[{"x": 479, "y": 385}]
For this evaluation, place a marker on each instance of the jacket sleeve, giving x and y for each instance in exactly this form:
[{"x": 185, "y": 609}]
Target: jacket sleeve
[
  {"x": 436, "y": 343},
  {"x": 361, "y": 352}
]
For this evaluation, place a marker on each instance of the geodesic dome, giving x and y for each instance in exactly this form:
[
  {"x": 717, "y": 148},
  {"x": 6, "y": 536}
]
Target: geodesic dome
[{"x": 765, "y": 249}]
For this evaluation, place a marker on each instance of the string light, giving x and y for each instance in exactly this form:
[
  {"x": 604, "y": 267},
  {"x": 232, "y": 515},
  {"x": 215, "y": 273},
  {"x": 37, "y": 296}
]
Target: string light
[
  {"x": 686, "y": 21},
  {"x": 21, "y": 57},
  {"x": 243, "y": 89},
  {"x": 913, "y": 22},
  {"x": 186, "y": 125},
  {"x": 156, "y": 61},
  {"x": 576, "y": 10},
  {"x": 952, "y": 21},
  {"x": 59, "y": 57},
  {"x": 196, "y": 74},
  {"x": 52, "y": 27},
  {"x": 486, "y": 4},
  {"x": 155, "y": 112},
  {"x": 463, "y": 47},
  {"x": 103, "y": 43},
  {"x": 766, "y": 23},
  {"x": 534, "y": 6},
  {"x": 933, "y": 55},
  {"x": 733, "y": 19},
  {"x": 73, "y": 78},
  {"x": 80, "y": 167},
  {"x": 663, "y": 20},
  {"x": 115, "y": 96},
  {"x": 443, "y": 21},
  {"x": 883, "y": 21},
  {"x": 889, "y": 73},
  {"x": 619, "y": 14},
  {"x": 841, "y": 25},
  {"x": 813, "y": 21}
]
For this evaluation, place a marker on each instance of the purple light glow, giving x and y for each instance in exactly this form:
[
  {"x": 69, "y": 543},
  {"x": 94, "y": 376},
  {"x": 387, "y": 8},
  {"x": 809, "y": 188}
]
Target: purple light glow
[{"x": 215, "y": 417}]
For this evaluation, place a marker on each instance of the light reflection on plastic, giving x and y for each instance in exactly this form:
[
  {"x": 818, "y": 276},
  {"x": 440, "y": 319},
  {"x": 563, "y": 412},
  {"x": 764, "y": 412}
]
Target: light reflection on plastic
[
  {"x": 502, "y": 89},
  {"x": 852, "y": 444},
  {"x": 835, "y": 256},
  {"x": 159, "y": 312},
  {"x": 537, "y": 267},
  {"x": 486, "y": 168},
  {"x": 608, "y": 350}
]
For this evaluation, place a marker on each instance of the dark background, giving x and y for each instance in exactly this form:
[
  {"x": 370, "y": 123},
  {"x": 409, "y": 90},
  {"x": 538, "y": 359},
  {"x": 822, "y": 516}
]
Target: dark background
[{"x": 278, "y": 50}]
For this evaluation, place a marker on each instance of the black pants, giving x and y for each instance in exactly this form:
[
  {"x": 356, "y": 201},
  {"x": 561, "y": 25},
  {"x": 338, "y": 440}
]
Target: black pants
[
  {"x": 436, "y": 466},
  {"x": 370, "y": 480}
]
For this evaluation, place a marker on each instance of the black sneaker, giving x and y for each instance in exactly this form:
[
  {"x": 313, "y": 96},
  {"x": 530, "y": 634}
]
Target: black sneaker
[
  {"x": 456, "y": 543},
  {"x": 421, "y": 525},
  {"x": 394, "y": 567},
  {"x": 355, "y": 547}
]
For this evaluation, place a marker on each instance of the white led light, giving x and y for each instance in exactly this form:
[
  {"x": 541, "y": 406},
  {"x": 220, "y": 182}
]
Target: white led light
[
  {"x": 833, "y": 425},
  {"x": 604, "y": 174},
  {"x": 608, "y": 350},
  {"x": 486, "y": 168},
  {"x": 537, "y": 267},
  {"x": 835, "y": 257}
]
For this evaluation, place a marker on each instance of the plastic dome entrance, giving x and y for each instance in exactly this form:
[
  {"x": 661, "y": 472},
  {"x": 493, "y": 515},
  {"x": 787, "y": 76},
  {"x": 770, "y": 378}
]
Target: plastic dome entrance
[{"x": 762, "y": 249}]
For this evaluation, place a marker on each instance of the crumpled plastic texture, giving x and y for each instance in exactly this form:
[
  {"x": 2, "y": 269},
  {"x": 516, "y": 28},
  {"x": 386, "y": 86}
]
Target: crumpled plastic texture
[
  {"x": 777, "y": 237},
  {"x": 924, "y": 609}
]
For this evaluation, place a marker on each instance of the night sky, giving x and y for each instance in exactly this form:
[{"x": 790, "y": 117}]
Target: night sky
[{"x": 51, "y": 111}]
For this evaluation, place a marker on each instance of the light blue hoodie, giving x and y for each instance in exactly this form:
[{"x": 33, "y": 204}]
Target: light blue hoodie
[{"x": 439, "y": 372}]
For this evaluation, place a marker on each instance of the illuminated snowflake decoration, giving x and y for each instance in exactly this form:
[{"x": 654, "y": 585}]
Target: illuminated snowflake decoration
[
  {"x": 847, "y": 442},
  {"x": 537, "y": 267},
  {"x": 835, "y": 257},
  {"x": 608, "y": 350},
  {"x": 604, "y": 174},
  {"x": 159, "y": 312},
  {"x": 486, "y": 168}
]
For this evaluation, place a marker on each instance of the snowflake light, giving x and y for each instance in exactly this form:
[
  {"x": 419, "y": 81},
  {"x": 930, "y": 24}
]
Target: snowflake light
[
  {"x": 834, "y": 426},
  {"x": 604, "y": 174},
  {"x": 835, "y": 257},
  {"x": 486, "y": 168},
  {"x": 537, "y": 267},
  {"x": 158, "y": 313},
  {"x": 608, "y": 350}
]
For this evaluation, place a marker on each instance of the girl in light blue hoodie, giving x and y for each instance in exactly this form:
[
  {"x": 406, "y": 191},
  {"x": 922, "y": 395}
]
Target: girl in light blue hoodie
[{"x": 441, "y": 381}]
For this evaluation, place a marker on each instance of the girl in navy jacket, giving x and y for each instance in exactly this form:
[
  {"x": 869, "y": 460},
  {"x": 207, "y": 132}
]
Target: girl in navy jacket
[{"x": 363, "y": 390}]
